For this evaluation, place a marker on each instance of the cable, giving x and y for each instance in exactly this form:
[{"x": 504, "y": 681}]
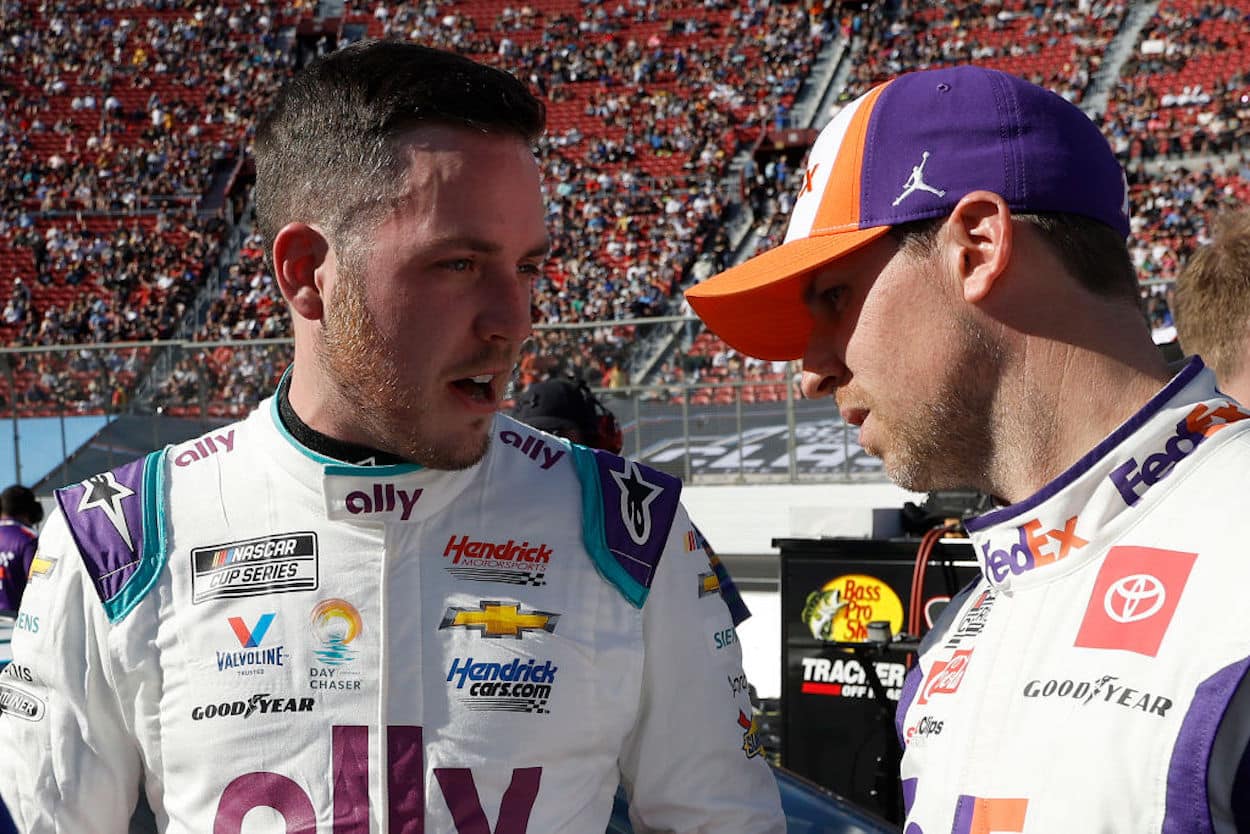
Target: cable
[{"x": 915, "y": 608}]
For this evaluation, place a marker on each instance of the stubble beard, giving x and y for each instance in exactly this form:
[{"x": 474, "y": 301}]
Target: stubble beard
[
  {"x": 392, "y": 413},
  {"x": 948, "y": 442}
]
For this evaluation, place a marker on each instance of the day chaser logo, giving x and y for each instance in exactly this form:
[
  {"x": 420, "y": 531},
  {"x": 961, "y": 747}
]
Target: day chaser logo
[
  {"x": 103, "y": 492},
  {"x": 252, "y": 654},
  {"x": 499, "y": 619},
  {"x": 504, "y": 687},
  {"x": 336, "y": 623},
  {"x": 637, "y": 495},
  {"x": 268, "y": 565},
  {"x": 260, "y": 704},
  {"x": 20, "y": 704},
  {"x": 508, "y": 562}
]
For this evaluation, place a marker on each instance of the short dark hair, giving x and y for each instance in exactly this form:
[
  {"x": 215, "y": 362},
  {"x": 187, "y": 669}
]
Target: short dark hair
[
  {"x": 19, "y": 502},
  {"x": 1092, "y": 252},
  {"x": 325, "y": 151}
]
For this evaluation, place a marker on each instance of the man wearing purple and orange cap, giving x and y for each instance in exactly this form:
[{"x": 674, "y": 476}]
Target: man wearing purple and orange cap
[{"x": 955, "y": 274}]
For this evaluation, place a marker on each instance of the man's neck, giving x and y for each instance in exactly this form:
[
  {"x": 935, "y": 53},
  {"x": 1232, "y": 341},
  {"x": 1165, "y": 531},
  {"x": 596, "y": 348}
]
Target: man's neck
[{"x": 1064, "y": 402}]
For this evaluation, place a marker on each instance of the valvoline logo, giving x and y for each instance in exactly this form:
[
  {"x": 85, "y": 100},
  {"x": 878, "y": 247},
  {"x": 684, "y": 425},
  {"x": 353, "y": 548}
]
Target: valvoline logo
[
  {"x": 1133, "y": 479},
  {"x": 1034, "y": 549}
]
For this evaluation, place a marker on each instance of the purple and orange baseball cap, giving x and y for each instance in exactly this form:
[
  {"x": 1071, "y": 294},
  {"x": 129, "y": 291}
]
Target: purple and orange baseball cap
[{"x": 911, "y": 149}]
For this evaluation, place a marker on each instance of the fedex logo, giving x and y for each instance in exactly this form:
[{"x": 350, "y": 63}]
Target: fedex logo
[
  {"x": 1035, "y": 548},
  {"x": 945, "y": 676},
  {"x": 1133, "y": 479},
  {"x": 383, "y": 498}
]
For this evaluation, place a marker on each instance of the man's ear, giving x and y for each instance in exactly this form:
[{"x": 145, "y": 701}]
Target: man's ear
[
  {"x": 299, "y": 250},
  {"x": 979, "y": 237}
]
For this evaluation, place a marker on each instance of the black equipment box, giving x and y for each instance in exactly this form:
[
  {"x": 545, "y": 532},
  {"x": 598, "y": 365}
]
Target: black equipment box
[{"x": 834, "y": 730}]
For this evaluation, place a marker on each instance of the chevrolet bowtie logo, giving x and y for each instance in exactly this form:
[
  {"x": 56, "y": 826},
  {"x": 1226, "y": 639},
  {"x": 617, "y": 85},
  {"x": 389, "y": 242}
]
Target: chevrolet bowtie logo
[{"x": 499, "y": 619}]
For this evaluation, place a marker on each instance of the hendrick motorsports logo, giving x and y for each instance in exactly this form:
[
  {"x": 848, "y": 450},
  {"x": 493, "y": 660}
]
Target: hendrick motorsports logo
[
  {"x": 504, "y": 687},
  {"x": 268, "y": 565},
  {"x": 1103, "y": 690},
  {"x": 260, "y": 704},
  {"x": 509, "y": 562},
  {"x": 495, "y": 619},
  {"x": 20, "y": 704}
]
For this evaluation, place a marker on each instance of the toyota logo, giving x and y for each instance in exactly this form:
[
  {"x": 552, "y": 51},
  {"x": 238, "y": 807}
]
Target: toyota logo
[{"x": 1134, "y": 598}]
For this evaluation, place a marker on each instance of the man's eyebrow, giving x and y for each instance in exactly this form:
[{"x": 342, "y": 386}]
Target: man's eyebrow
[{"x": 488, "y": 247}]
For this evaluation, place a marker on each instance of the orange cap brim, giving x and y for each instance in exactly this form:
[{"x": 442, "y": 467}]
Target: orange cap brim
[{"x": 759, "y": 306}]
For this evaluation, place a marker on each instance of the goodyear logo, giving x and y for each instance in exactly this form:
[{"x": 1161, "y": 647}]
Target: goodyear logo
[{"x": 493, "y": 619}]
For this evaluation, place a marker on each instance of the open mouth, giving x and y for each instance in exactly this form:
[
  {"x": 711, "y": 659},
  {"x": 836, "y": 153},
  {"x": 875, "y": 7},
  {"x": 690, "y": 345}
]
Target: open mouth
[{"x": 476, "y": 388}]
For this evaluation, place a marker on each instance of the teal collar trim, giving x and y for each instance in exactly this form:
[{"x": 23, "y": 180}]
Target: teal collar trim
[{"x": 155, "y": 545}]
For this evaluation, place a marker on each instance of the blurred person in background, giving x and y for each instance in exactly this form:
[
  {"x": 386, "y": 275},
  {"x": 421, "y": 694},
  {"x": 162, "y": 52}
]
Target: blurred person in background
[
  {"x": 1212, "y": 304},
  {"x": 20, "y": 513},
  {"x": 376, "y": 603},
  {"x": 955, "y": 273},
  {"x": 568, "y": 408}
]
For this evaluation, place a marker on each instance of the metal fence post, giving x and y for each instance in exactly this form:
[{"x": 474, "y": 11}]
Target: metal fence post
[
  {"x": 791, "y": 429},
  {"x": 17, "y": 445},
  {"x": 685, "y": 433}
]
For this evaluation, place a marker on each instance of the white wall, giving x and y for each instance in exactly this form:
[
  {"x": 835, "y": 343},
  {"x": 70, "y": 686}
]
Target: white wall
[{"x": 745, "y": 519}]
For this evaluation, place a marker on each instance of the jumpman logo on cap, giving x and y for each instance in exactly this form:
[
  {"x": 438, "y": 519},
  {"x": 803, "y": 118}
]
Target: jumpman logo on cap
[{"x": 916, "y": 182}]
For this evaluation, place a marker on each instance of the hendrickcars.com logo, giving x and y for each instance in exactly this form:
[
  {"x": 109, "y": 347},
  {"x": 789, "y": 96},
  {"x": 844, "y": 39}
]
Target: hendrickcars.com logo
[{"x": 518, "y": 686}]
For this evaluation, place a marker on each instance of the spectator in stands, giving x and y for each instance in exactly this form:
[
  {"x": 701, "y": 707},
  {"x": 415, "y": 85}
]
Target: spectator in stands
[
  {"x": 1213, "y": 304},
  {"x": 20, "y": 512},
  {"x": 407, "y": 263},
  {"x": 956, "y": 275}
]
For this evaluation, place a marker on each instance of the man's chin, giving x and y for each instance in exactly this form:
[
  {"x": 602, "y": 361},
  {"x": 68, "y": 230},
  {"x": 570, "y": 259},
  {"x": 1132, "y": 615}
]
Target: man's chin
[{"x": 454, "y": 455}]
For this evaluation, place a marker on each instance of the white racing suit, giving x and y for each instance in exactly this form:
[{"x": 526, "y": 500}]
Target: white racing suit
[
  {"x": 1094, "y": 678},
  {"x": 266, "y": 640}
]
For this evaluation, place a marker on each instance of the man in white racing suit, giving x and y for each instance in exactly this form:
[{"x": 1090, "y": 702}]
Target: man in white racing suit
[
  {"x": 955, "y": 273},
  {"x": 376, "y": 605}
]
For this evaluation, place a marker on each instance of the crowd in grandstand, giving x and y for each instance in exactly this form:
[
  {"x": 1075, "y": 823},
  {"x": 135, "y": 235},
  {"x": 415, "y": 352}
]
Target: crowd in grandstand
[{"x": 123, "y": 125}]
